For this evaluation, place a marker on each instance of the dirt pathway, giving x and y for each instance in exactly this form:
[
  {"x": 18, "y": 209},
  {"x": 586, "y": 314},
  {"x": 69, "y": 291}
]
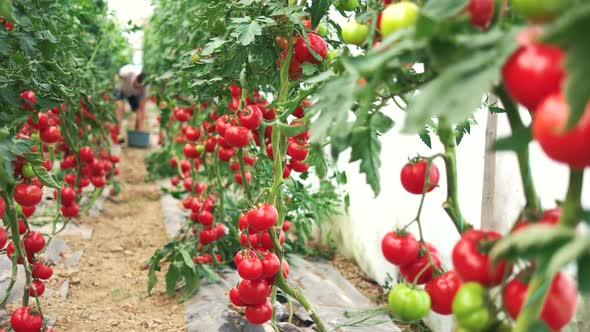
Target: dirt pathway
[{"x": 108, "y": 289}]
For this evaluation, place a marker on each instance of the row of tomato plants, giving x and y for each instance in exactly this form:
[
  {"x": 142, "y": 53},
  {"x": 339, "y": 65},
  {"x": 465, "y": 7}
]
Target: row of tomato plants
[
  {"x": 56, "y": 128},
  {"x": 282, "y": 81}
]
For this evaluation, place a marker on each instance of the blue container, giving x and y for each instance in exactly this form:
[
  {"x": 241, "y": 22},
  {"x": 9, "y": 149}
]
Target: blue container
[{"x": 138, "y": 139}]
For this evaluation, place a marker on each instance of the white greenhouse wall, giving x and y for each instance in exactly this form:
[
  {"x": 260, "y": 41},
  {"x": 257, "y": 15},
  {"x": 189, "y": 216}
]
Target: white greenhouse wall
[{"x": 359, "y": 235}]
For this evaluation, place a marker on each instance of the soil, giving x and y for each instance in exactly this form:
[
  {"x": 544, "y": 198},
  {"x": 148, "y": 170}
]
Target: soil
[{"x": 108, "y": 287}]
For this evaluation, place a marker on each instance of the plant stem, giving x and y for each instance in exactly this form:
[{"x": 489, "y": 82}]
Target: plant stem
[
  {"x": 570, "y": 218},
  {"x": 451, "y": 205},
  {"x": 243, "y": 174},
  {"x": 533, "y": 207}
]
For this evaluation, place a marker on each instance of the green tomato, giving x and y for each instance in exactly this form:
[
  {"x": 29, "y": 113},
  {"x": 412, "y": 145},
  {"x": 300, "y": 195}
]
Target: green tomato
[
  {"x": 354, "y": 32},
  {"x": 408, "y": 303},
  {"x": 27, "y": 171},
  {"x": 346, "y": 5},
  {"x": 539, "y": 10},
  {"x": 470, "y": 308},
  {"x": 200, "y": 148},
  {"x": 331, "y": 55},
  {"x": 398, "y": 16},
  {"x": 322, "y": 29},
  {"x": 35, "y": 137},
  {"x": 195, "y": 58}
]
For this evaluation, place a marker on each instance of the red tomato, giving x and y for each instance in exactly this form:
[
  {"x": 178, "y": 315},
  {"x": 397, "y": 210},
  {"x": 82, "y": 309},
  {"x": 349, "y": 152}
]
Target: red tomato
[
  {"x": 411, "y": 270},
  {"x": 68, "y": 196},
  {"x": 259, "y": 314},
  {"x": 24, "y": 320},
  {"x": 570, "y": 147},
  {"x": 533, "y": 73},
  {"x": 3, "y": 237},
  {"x": 413, "y": 176},
  {"x": 318, "y": 45},
  {"x": 263, "y": 217},
  {"x": 474, "y": 265},
  {"x": 29, "y": 195},
  {"x": 39, "y": 287},
  {"x": 250, "y": 117},
  {"x": 250, "y": 269},
  {"x": 270, "y": 265},
  {"x": 34, "y": 242},
  {"x": 297, "y": 151},
  {"x": 400, "y": 249},
  {"x": 234, "y": 297},
  {"x": 559, "y": 307},
  {"x": 70, "y": 211},
  {"x": 254, "y": 291},
  {"x": 482, "y": 12},
  {"x": 442, "y": 291},
  {"x": 238, "y": 136},
  {"x": 41, "y": 271}
]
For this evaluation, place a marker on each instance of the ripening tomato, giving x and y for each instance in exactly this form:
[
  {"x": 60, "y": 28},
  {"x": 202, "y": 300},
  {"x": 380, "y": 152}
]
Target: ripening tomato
[
  {"x": 560, "y": 304},
  {"x": 318, "y": 45},
  {"x": 482, "y": 12},
  {"x": 533, "y": 73},
  {"x": 471, "y": 260},
  {"x": 413, "y": 176},
  {"x": 398, "y": 16},
  {"x": 571, "y": 147},
  {"x": 399, "y": 248},
  {"x": 411, "y": 270},
  {"x": 442, "y": 291},
  {"x": 354, "y": 32}
]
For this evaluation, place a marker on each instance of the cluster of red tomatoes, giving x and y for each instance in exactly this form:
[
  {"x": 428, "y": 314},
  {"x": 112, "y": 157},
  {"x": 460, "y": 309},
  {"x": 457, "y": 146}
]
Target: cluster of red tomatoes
[
  {"x": 534, "y": 77},
  {"x": 7, "y": 24},
  {"x": 313, "y": 50},
  {"x": 463, "y": 291},
  {"x": 257, "y": 265}
]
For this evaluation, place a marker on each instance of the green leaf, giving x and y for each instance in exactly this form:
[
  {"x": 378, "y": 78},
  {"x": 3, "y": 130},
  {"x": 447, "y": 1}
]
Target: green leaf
[
  {"x": 290, "y": 131},
  {"x": 366, "y": 147},
  {"x": 539, "y": 326},
  {"x": 534, "y": 241},
  {"x": 584, "y": 274},
  {"x": 381, "y": 122},
  {"x": 570, "y": 32},
  {"x": 317, "y": 158},
  {"x": 425, "y": 137},
  {"x": 172, "y": 277},
  {"x": 45, "y": 177},
  {"x": 334, "y": 102},
  {"x": 208, "y": 273},
  {"x": 188, "y": 261},
  {"x": 462, "y": 129},
  {"x": 496, "y": 109},
  {"x": 192, "y": 282},
  {"x": 567, "y": 254},
  {"x": 152, "y": 279},
  {"x": 519, "y": 140},
  {"x": 442, "y": 9},
  {"x": 246, "y": 34},
  {"x": 458, "y": 91},
  {"x": 319, "y": 8}
]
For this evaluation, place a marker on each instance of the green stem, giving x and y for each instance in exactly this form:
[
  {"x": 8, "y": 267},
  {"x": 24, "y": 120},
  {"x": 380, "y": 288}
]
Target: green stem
[
  {"x": 572, "y": 206},
  {"x": 533, "y": 207},
  {"x": 451, "y": 205},
  {"x": 243, "y": 174}
]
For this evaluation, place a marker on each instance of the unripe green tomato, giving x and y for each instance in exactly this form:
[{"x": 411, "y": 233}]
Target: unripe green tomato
[
  {"x": 539, "y": 10},
  {"x": 200, "y": 148},
  {"x": 346, "y": 5},
  {"x": 331, "y": 55},
  {"x": 354, "y": 32},
  {"x": 408, "y": 303},
  {"x": 471, "y": 308},
  {"x": 35, "y": 137},
  {"x": 398, "y": 16},
  {"x": 27, "y": 171},
  {"x": 195, "y": 58},
  {"x": 322, "y": 29}
]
